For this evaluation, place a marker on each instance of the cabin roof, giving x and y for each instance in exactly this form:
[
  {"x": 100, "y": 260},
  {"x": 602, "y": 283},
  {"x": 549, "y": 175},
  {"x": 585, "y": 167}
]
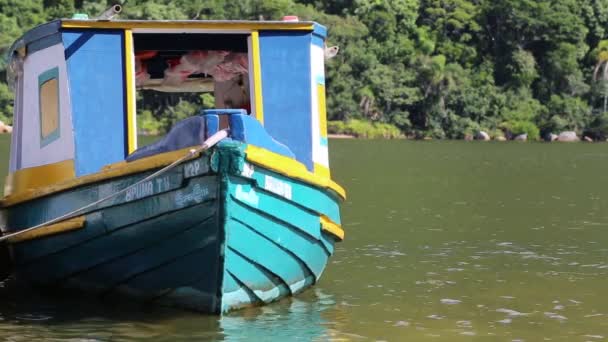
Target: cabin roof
[{"x": 41, "y": 34}]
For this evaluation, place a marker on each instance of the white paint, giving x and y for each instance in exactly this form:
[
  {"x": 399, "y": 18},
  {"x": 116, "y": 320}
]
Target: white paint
[
  {"x": 249, "y": 197},
  {"x": 277, "y": 187},
  {"x": 140, "y": 191},
  {"x": 195, "y": 168},
  {"x": 248, "y": 170},
  {"x": 63, "y": 147},
  {"x": 320, "y": 153},
  {"x": 15, "y": 162},
  {"x": 196, "y": 195}
]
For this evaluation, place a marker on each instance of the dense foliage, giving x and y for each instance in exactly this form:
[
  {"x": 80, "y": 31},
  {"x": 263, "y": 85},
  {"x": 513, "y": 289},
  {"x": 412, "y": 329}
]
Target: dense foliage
[{"x": 433, "y": 68}]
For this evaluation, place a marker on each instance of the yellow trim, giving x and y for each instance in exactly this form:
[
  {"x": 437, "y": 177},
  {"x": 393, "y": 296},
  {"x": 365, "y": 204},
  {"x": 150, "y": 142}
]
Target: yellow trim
[
  {"x": 188, "y": 24},
  {"x": 110, "y": 171},
  {"x": 290, "y": 167},
  {"x": 322, "y": 170},
  {"x": 39, "y": 176},
  {"x": 57, "y": 228},
  {"x": 322, "y": 110},
  {"x": 331, "y": 227},
  {"x": 130, "y": 92},
  {"x": 257, "y": 76}
]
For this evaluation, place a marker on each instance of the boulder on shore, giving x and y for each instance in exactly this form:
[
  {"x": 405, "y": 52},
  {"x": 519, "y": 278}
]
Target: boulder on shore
[
  {"x": 568, "y": 136},
  {"x": 481, "y": 135},
  {"x": 500, "y": 138},
  {"x": 587, "y": 139},
  {"x": 521, "y": 137}
]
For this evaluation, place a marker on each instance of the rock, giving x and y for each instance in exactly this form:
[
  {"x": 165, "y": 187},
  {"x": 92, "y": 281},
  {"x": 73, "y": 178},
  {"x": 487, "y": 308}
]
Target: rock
[
  {"x": 468, "y": 137},
  {"x": 481, "y": 135},
  {"x": 568, "y": 136},
  {"x": 553, "y": 137},
  {"x": 586, "y": 138},
  {"x": 521, "y": 137},
  {"x": 500, "y": 138}
]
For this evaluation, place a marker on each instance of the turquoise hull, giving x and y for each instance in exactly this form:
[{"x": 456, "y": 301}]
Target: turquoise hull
[{"x": 214, "y": 234}]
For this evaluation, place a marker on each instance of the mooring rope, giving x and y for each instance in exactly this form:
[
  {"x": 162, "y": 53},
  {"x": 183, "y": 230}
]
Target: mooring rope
[{"x": 207, "y": 144}]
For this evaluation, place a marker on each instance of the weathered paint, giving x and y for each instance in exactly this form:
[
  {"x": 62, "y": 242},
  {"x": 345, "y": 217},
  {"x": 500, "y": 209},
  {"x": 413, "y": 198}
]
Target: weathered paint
[
  {"x": 36, "y": 150},
  {"x": 130, "y": 93},
  {"x": 285, "y": 58},
  {"x": 291, "y": 168},
  {"x": 258, "y": 99},
  {"x": 95, "y": 70},
  {"x": 190, "y": 24},
  {"x": 170, "y": 244},
  {"x": 30, "y": 184},
  {"x": 52, "y": 229}
]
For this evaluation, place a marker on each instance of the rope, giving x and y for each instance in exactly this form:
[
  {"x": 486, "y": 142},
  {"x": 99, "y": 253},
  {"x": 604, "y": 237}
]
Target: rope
[{"x": 207, "y": 144}]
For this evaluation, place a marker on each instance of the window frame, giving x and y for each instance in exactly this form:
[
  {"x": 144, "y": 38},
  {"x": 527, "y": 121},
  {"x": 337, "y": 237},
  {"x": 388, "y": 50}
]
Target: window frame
[{"x": 43, "y": 78}]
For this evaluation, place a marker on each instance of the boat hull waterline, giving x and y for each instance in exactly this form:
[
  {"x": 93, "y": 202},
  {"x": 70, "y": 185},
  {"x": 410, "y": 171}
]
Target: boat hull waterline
[{"x": 214, "y": 234}]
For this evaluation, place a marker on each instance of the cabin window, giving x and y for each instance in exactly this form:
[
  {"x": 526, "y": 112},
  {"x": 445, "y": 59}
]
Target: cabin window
[
  {"x": 48, "y": 90},
  {"x": 179, "y": 75}
]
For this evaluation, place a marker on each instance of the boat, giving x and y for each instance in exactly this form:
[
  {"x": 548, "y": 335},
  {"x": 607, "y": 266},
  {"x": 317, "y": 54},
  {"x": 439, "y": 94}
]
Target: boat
[{"x": 233, "y": 207}]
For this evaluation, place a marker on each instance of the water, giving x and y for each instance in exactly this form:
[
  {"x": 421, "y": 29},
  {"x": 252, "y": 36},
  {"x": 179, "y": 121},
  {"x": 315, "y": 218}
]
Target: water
[{"x": 446, "y": 241}]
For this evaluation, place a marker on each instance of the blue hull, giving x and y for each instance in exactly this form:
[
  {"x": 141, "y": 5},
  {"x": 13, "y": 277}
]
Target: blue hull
[{"x": 227, "y": 235}]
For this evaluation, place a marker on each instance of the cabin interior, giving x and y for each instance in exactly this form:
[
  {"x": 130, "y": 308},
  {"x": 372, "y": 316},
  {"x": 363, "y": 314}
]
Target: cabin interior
[{"x": 75, "y": 85}]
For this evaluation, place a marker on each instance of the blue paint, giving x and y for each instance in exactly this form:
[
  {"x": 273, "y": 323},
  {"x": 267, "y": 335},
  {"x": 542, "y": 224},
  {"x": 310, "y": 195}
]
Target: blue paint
[
  {"x": 308, "y": 250},
  {"x": 95, "y": 73},
  {"x": 267, "y": 255},
  {"x": 320, "y": 30},
  {"x": 312, "y": 198},
  {"x": 318, "y": 41},
  {"x": 286, "y": 80},
  {"x": 321, "y": 79},
  {"x": 324, "y": 141},
  {"x": 281, "y": 209},
  {"x": 156, "y": 250},
  {"x": 246, "y": 129},
  {"x": 255, "y": 279}
]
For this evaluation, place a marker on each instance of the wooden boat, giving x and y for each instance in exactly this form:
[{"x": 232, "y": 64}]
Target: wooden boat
[{"x": 197, "y": 220}]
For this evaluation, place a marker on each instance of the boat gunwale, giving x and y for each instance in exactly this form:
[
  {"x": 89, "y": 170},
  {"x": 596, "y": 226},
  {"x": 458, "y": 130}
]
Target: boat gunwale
[{"x": 253, "y": 154}]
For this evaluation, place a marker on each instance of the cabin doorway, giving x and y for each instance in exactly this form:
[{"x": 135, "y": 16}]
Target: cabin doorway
[{"x": 177, "y": 75}]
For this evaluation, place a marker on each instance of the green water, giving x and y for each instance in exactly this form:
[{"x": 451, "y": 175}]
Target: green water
[{"x": 446, "y": 241}]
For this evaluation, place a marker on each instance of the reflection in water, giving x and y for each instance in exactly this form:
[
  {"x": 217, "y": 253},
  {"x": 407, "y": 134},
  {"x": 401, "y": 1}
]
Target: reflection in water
[{"x": 292, "y": 319}]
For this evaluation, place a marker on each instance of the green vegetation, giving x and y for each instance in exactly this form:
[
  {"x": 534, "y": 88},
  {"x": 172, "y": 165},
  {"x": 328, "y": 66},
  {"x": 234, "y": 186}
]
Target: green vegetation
[
  {"x": 431, "y": 68},
  {"x": 364, "y": 129}
]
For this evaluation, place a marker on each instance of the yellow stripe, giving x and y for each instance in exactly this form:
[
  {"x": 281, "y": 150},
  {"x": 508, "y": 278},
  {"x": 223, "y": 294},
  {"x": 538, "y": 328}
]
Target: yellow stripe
[
  {"x": 110, "y": 171},
  {"x": 257, "y": 76},
  {"x": 57, "y": 228},
  {"x": 130, "y": 85},
  {"x": 322, "y": 110},
  {"x": 39, "y": 176},
  {"x": 331, "y": 227},
  {"x": 189, "y": 24},
  {"x": 322, "y": 170},
  {"x": 291, "y": 168}
]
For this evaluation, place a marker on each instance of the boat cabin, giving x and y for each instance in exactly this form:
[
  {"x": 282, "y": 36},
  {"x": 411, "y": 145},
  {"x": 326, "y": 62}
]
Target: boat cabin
[{"x": 76, "y": 84}]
